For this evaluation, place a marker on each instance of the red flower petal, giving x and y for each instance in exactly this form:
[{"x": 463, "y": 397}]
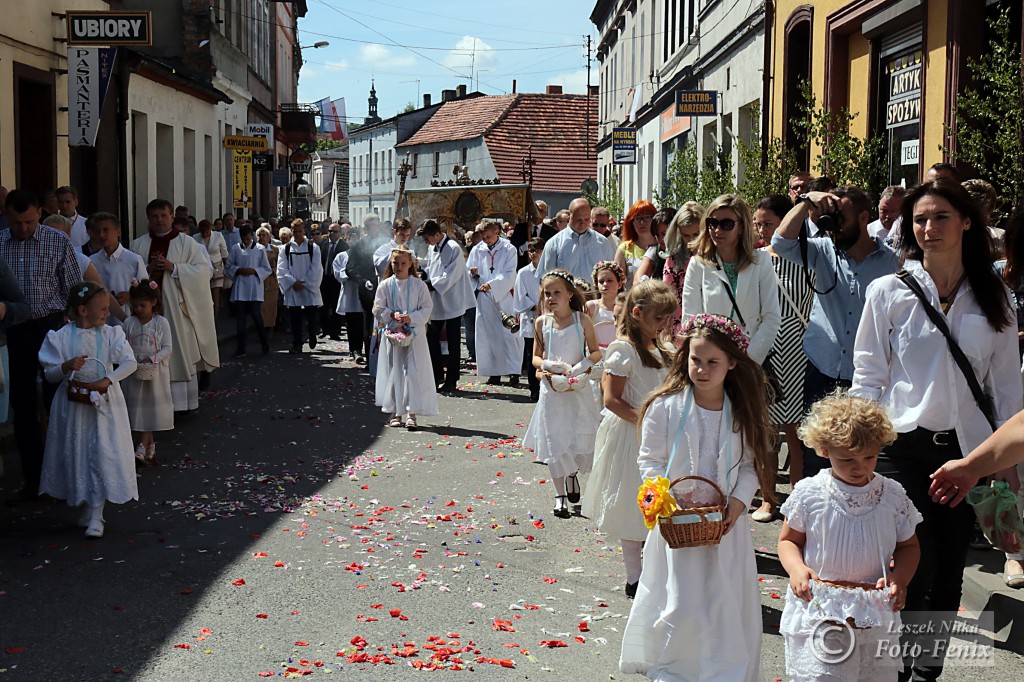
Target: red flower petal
[
  {"x": 262, "y": 615},
  {"x": 551, "y": 581},
  {"x": 301, "y": 643},
  {"x": 240, "y": 581}
]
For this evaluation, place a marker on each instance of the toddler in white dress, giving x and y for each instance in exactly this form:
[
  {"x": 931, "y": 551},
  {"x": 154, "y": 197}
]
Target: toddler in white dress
[{"x": 842, "y": 528}]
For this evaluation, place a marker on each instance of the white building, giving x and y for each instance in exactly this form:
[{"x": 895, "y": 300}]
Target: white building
[
  {"x": 648, "y": 50},
  {"x": 329, "y": 178}
]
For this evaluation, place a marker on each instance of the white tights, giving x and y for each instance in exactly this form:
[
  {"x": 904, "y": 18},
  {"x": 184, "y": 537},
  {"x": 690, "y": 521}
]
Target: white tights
[{"x": 631, "y": 556}]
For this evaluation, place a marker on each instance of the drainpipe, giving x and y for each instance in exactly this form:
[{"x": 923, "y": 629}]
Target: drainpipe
[{"x": 767, "y": 76}]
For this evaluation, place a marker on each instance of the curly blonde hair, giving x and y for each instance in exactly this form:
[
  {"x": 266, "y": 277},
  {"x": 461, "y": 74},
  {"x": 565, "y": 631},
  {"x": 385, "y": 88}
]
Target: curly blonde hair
[{"x": 842, "y": 420}]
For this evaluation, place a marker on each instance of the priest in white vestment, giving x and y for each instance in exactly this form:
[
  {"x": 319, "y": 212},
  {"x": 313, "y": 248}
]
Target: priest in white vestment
[
  {"x": 492, "y": 271},
  {"x": 182, "y": 270}
]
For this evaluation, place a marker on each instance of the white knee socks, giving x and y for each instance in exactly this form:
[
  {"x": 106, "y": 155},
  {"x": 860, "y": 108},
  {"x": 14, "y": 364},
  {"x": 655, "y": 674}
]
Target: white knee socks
[{"x": 631, "y": 556}]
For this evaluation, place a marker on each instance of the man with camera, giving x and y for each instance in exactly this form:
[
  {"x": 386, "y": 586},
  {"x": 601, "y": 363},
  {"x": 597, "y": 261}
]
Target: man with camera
[{"x": 843, "y": 265}]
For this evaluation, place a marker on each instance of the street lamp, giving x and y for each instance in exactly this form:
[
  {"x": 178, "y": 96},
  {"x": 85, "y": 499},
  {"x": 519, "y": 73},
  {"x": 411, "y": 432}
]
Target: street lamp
[{"x": 316, "y": 45}]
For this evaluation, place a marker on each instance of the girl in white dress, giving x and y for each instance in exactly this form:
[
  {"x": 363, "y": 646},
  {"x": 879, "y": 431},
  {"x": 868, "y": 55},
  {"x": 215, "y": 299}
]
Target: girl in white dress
[
  {"x": 635, "y": 364},
  {"x": 610, "y": 279},
  {"x": 697, "y": 614},
  {"x": 150, "y": 407},
  {"x": 844, "y": 525},
  {"x": 88, "y": 457},
  {"x": 405, "y": 377},
  {"x": 563, "y": 425}
]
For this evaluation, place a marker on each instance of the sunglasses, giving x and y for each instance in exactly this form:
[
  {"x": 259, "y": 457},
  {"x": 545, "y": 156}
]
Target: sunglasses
[
  {"x": 599, "y": 224},
  {"x": 725, "y": 224}
]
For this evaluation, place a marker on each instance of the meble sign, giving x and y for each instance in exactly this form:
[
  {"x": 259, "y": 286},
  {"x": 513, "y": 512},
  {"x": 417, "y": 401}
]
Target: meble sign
[{"x": 110, "y": 28}]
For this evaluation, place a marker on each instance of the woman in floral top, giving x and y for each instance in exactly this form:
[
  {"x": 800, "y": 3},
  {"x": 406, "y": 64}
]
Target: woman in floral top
[{"x": 684, "y": 229}]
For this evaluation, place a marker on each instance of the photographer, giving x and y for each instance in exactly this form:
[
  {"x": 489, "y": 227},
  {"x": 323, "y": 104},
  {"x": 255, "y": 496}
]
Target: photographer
[{"x": 844, "y": 264}]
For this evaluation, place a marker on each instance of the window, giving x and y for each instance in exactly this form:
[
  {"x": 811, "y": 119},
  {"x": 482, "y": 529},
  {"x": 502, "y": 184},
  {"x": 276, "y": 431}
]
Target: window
[
  {"x": 415, "y": 163},
  {"x": 437, "y": 164},
  {"x": 464, "y": 156},
  {"x": 391, "y": 165}
]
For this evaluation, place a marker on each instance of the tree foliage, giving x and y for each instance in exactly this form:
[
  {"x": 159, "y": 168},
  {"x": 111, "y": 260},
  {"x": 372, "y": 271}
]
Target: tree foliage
[{"x": 989, "y": 123}]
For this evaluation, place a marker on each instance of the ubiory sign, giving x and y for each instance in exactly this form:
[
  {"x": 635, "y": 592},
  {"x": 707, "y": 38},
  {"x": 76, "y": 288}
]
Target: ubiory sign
[{"x": 109, "y": 29}]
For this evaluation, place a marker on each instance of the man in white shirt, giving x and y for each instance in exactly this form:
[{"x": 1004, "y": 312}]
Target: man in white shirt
[
  {"x": 248, "y": 266},
  {"x": 492, "y": 271},
  {"x": 299, "y": 272},
  {"x": 889, "y": 205},
  {"x": 452, "y": 294},
  {"x": 116, "y": 265},
  {"x": 401, "y": 233},
  {"x": 67, "y": 200},
  {"x": 579, "y": 248}
]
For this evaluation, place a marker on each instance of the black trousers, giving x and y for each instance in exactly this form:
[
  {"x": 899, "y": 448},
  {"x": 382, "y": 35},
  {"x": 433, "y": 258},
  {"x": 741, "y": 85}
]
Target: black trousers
[
  {"x": 330, "y": 321},
  {"x": 816, "y": 387},
  {"x": 250, "y": 310},
  {"x": 356, "y": 335},
  {"x": 23, "y": 343},
  {"x": 531, "y": 373},
  {"x": 446, "y": 373},
  {"x": 311, "y": 314},
  {"x": 944, "y": 533},
  {"x": 367, "y": 330}
]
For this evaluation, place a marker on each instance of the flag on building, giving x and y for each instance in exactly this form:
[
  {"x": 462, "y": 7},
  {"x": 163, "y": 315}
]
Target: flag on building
[
  {"x": 332, "y": 118},
  {"x": 341, "y": 127}
]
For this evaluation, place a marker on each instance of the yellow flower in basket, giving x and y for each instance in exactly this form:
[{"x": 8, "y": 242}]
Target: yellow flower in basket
[{"x": 656, "y": 500}]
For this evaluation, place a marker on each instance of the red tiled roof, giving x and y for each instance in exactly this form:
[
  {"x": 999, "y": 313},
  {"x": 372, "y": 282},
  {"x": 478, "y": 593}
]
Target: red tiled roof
[
  {"x": 461, "y": 120},
  {"x": 555, "y": 126}
]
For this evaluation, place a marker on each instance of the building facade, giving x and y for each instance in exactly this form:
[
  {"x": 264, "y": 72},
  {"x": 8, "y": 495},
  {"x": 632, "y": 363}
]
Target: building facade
[
  {"x": 897, "y": 64},
  {"x": 650, "y": 49},
  {"x": 330, "y": 177}
]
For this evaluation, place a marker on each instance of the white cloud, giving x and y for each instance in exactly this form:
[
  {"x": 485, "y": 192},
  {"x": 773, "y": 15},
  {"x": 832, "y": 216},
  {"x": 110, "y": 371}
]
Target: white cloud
[
  {"x": 461, "y": 57},
  {"x": 336, "y": 66},
  {"x": 574, "y": 82},
  {"x": 382, "y": 57}
]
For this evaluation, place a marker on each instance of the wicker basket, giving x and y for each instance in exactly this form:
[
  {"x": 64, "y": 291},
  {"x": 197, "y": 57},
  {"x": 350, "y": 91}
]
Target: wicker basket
[
  {"x": 695, "y": 526},
  {"x": 578, "y": 385},
  {"x": 78, "y": 391},
  {"x": 144, "y": 371},
  {"x": 400, "y": 337}
]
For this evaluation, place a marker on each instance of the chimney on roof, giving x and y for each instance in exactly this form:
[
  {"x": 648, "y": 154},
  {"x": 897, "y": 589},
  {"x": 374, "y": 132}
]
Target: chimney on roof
[
  {"x": 513, "y": 86},
  {"x": 593, "y": 91},
  {"x": 461, "y": 91},
  {"x": 447, "y": 95},
  {"x": 553, "y": 90},
  {"x": 426, "y": 99}
]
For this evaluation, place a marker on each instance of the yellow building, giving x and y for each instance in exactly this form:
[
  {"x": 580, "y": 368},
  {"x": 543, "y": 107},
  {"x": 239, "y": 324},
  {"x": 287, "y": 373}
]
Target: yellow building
[{"x": 897, "y": 64}]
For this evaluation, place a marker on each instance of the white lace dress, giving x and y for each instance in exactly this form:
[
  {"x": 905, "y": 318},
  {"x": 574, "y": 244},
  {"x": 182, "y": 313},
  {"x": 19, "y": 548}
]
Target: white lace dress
[
  {"x": 851, "y": 535},
  {"x": 563, "y": 426},
  {"x": 150, "y": 407},
  {"x": 610, "y": 497},
  {"x": 89, "y": 455}
]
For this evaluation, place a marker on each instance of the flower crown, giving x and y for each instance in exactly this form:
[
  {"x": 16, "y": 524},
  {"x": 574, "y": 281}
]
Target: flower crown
[
  {"x": 722, "y": 325},
  {"x": 608, "y": 265},
  {"x": 564, "y": 276},
  {"x": 152, "y": 285}
]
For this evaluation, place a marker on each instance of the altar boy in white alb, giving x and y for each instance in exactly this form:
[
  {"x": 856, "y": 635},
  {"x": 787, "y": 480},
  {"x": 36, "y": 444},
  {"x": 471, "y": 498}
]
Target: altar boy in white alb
[
  {"x": 299, "y": 271},
  {"x": 492, "y": 271},
  {"x": 248, "y": 266},
  {"x": 452, "y": 294}
]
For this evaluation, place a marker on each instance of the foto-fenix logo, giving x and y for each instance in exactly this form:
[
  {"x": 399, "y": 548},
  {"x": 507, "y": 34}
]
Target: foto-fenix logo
[{"x": 832, "y": 642}]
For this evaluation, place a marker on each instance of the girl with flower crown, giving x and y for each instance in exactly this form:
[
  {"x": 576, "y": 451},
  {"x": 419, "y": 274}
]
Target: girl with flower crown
[
  {"x": 562, "y": 429},
  {"x": 148, "y": 394},
  {"x": 405, "y": 376},
  {"x": 697, "y": 613},
  {"x": 88, "y": 457}
]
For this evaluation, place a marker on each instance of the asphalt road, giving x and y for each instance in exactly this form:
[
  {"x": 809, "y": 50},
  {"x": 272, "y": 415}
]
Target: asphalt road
[{"x": 289, "y": 532}]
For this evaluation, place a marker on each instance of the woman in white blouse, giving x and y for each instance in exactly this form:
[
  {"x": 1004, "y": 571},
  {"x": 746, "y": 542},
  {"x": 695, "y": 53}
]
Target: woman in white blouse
[
  {"x": 218, "y": 250},
  {"x": 726, "y": 260},
  {"x": 902, "y": 360}
]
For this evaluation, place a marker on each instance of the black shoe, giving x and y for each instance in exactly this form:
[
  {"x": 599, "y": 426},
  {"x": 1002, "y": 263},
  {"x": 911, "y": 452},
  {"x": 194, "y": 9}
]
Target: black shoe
[
  {"x": 561, "y": 509},
  {"x": 449, "y": 389},
  {"x": 631, "y": 589},
  {"x": 513, "y": 380},
  {"x": 572, "y": 489},
  {"x": 266, "y": 349},
  {"x": 534, "y": 395},
  {"x": 978, "y": 539},
  {"x": 312, "y": 344},
  {"x": 360, "y": 359},
  {"x": 295, "y": 349},
  {"x": 238, "y": 354},
  {"x": 494, "y": 381}
]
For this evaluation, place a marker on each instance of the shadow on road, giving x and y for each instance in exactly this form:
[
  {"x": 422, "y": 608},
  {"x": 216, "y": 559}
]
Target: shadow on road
[{"x": 272, "y": 431}]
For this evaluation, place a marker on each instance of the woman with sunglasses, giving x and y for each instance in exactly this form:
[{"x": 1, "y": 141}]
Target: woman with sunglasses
[
  {"x": 636, "y": 238},
  {"x": 728, "y": 276}
]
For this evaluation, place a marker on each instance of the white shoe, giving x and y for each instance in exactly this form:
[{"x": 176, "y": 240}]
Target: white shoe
[{"x": 95, "y": 529}]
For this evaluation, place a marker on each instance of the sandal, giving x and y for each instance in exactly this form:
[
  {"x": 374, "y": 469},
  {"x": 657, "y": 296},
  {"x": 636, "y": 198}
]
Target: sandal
[
  {"x": 395, "y": 422},
  {"x": 140, "y": 452},
  {"x": 572, "y": 489},
  {"x": 410, "y": 423},
  {"x": 561, "y": 509},
  {"x": 151, "y": 452}
]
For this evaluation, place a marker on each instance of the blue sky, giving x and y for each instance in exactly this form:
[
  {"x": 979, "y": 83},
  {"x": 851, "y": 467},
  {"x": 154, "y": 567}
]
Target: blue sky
[{"x": 536, "y": 42}]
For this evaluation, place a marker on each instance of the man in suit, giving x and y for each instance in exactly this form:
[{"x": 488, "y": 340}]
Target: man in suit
[
  {"x": 523, "y": 232},
  {"x": 330, "y": 289}
]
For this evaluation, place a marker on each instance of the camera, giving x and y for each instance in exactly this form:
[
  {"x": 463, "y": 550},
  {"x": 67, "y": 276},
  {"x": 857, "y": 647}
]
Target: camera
[{"x": 830, "y": 222}]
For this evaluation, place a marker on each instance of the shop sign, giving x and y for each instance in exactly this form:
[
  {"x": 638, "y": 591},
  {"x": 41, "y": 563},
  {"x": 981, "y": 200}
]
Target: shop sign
[
  {"x": 696, "y": 102},
  {"x": 245, "y": 143},
  {"x": 300, "y": 161},
  {"x": 909, "y": 152},
  {"x": 89, "y": 70},
  {"x": 672, "y": 125},
  {"x": 904, "y": 105},
  {"x": 262, "y": 162},
  {"x": 242, "y": 175},
  {"x": 109, "y": 28},
  {"x": 261, "y": 130},
  {"x": 279, "y": 177},
  {"x": 624, "y": 146}
]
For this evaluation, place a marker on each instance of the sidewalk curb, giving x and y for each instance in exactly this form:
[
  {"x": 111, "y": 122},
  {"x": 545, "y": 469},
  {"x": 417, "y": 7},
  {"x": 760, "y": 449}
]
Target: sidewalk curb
[{"x": 985, "y": 590}]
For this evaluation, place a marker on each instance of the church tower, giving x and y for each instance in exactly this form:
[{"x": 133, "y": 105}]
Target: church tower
[{"x": 372, "y": 101}]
